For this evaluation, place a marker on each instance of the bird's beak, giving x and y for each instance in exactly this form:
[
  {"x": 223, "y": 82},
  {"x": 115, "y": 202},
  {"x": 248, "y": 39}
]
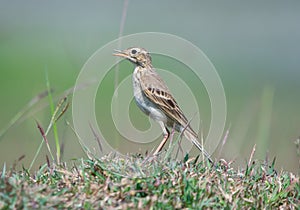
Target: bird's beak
[{"x": 120, "y": 53}]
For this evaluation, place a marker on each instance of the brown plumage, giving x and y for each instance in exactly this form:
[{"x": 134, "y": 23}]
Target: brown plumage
[{"x": 154, "y": 98}]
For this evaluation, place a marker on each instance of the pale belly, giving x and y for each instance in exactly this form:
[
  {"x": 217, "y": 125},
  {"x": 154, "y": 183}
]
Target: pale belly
[{"x": 148, "y": 107}]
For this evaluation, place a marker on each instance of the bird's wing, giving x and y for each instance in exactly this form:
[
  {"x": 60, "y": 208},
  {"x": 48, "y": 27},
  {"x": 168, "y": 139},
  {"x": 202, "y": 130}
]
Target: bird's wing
[{"x": 157, "y": 92}]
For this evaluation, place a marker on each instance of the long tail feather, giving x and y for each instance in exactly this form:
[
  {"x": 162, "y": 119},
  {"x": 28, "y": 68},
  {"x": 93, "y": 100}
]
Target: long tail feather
[{"x": 195, "y": 141}]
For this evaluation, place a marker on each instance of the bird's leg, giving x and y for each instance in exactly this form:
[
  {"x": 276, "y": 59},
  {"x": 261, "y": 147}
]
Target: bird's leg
[{"x": 164, "y": 141}]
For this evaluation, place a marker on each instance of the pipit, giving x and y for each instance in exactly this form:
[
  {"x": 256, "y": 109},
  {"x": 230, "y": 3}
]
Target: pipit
[{"x": 154, "y": 98}]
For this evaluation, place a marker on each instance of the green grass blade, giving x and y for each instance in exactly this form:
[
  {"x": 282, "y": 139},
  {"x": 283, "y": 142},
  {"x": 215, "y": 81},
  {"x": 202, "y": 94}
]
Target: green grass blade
[{"x": 52, "y": 109}]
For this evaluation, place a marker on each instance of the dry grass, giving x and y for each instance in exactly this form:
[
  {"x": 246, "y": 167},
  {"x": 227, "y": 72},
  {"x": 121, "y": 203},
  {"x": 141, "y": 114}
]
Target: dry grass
[{"x": 136, "y": 182}]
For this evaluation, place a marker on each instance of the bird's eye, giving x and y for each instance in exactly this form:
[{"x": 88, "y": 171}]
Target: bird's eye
[{"x": 133, "y": 51}]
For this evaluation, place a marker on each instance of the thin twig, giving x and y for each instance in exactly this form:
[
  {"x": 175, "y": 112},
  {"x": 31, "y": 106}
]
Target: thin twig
[
  {"x": 251, "y": 155},
  {"x": 97, "y": 138},
  {"x": 122, "y": 24},
  {"x": 45, "y": 138},
  {"x": 224, "y": 141},
  {"x": 17, "y": 118}
]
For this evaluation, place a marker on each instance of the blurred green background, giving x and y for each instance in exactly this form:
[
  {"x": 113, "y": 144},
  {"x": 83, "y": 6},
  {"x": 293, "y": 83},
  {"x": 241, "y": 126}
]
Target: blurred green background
[{"x": 254, "y": 46}]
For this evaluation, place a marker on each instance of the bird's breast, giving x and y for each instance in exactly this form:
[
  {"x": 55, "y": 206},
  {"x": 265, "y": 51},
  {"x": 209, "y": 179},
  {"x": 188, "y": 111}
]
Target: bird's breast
[{"x": 142, "y": 101}]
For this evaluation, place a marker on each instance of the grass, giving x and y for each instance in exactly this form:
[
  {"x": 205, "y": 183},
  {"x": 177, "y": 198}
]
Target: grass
[
  {"x": 135, "y": 182},
  {"x": 145, "y": 182}
]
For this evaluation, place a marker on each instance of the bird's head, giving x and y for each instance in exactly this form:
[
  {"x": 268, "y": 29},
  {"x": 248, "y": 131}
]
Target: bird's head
[{"x": 136, "y": 55}]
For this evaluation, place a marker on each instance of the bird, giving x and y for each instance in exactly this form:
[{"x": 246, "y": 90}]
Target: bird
[{"x": 154, "y": 98}]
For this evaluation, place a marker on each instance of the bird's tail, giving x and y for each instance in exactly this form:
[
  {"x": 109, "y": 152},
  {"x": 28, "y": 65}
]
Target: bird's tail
[{"x": 190, "y": 136}]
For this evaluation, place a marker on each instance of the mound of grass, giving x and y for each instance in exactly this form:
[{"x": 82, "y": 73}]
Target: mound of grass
[{"x": 144, "y": 183}]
